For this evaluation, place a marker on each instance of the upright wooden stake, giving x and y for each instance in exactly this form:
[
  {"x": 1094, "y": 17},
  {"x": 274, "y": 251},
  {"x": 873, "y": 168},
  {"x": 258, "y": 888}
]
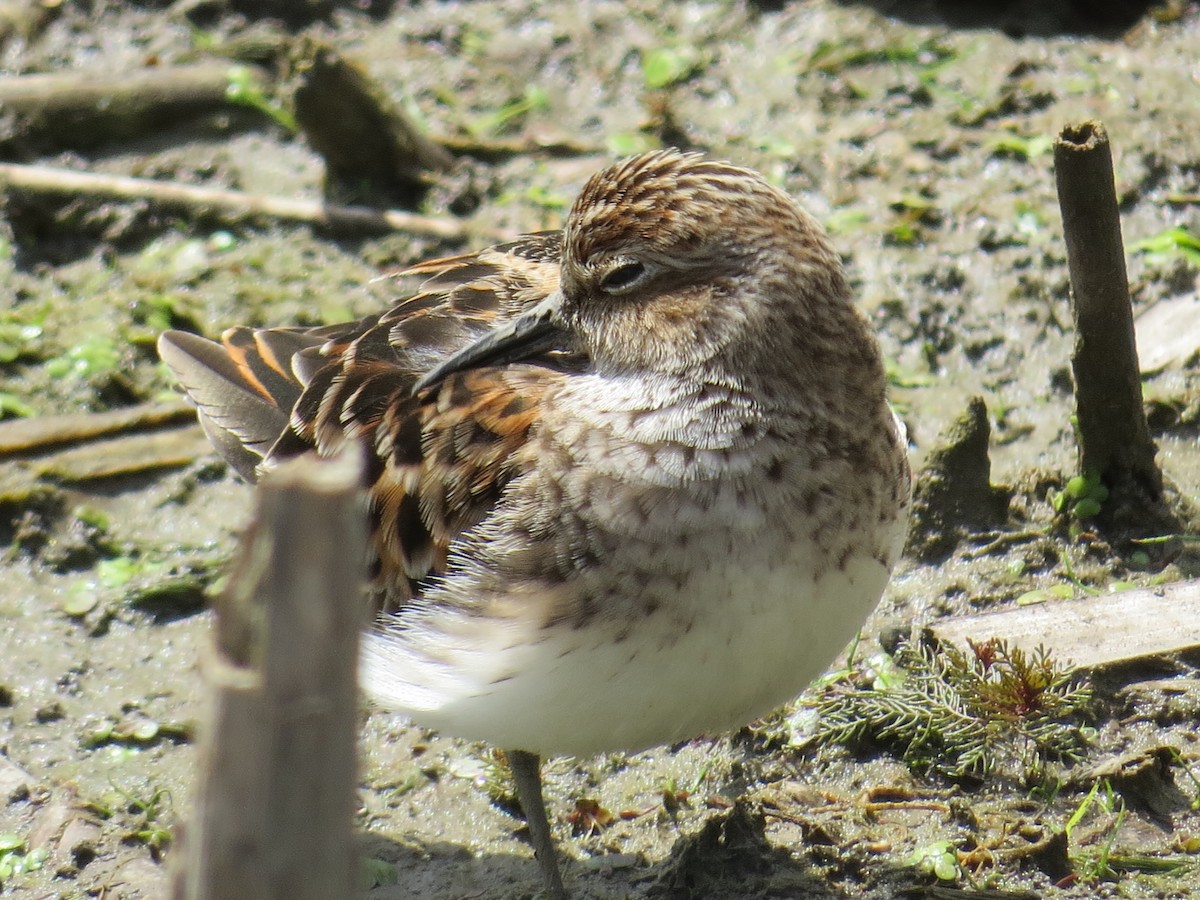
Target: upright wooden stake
[
  {"x": 1114, "y": 439},
  {"x": 276, "y": 795}
]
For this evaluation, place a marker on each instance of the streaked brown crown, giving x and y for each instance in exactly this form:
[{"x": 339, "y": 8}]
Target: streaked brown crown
[{"x": 727, "y": 260}]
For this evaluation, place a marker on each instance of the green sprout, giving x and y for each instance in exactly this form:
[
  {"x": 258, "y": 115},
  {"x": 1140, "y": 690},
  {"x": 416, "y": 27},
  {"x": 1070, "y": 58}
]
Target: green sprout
[
  {"x": 244, "y": 89},
  {"x": 1102, "y": 795},
  {"x": 534, "y": 99},
  {"x": 16, "y": 859},
  {"x": 847, "y": 221},
  {"x": 13, "y": 407},
  {"x": 1082, "y": 498},
  {"x": 147, "y": 827},
  {"x": 17, "y": 338},
  {"x": 1168, "y": 245},
  {"x": 631, "y": 143},
  {"x": 1187, "y": 769},
  {"x": 95, "y": 355},
  {"x": 1022, "y": 148},
  {"x": 665, "y": 66},
  {"x": 912, "y": 211},
  {"x": 937, "y": 859}
]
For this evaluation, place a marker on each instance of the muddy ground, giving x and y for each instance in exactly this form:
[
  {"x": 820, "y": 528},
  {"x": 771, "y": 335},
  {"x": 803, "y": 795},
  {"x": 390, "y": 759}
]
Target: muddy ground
[{"x": 919, "y": 133}]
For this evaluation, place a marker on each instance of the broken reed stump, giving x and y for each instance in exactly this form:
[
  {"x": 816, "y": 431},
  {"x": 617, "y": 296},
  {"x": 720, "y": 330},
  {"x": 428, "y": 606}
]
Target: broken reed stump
[
  {"x": 1114, "y": 439},
  {"x": 276, "y": 795},
  {"x": 367, "y": 141}
]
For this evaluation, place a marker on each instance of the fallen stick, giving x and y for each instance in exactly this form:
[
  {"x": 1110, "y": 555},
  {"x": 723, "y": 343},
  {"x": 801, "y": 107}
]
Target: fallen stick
[
  {"x": 85, "y": 108},
  {"x": 42, "y": 433},
  {"x": 1091, "y": 632},
  {"x": 82, "y": 108},
  {"x": 499, "y": 148},
  {"x": 232, "y": 206},
  {"x": 126, "y": 454}
]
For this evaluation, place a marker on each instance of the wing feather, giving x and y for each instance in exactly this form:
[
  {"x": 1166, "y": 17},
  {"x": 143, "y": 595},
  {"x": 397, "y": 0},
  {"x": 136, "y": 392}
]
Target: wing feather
[{"x": 435, "y": 466}]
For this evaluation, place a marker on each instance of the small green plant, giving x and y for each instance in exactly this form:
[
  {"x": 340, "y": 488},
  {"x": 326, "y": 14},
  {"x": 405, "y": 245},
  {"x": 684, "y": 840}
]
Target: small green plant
[
  {"x": 631, "y": 143},
  {"x": 13, "y": 407},
  {"x": 665, "y": 66},
  {"x": 906, "y": 378},
  {"x": 244, "y": 89},
  {"x": 937, "y": 859},
  {"x": 546, "y": 198},
  {"x": 493, "y": 775},
  {"x": 1043, "y": 595},
  {"x": 146, "y": 817},
  {"x": 97, "y": 354},
  {"x": 1174, "y": 243},
  {"x": 1030, "y": 220},
  {"x": 1095, "y": 867},
  {"x": 1023, "y": 148},
  {"x": 1191, "y": 774},
  {"x": 137, "y": 731},
  {"x": 379, "y": 873},
  {"x": 847, "y": 221},
  {"x": 1084, "y": 805},
  {"x": 16, "y": 859},
  {"x": 17, "y": 338},
  {"x": 154, "y": 314},
  {"x": 778, "y": 147},
  {"x": 927, "y": 56},
  {"x": 912, "y": 212},
  {"x": 1082, "y": 498},
  {"x": 962, "y": 713},
  {"x": 534, "y": 99},
  {"x": 155, "y": 581},
  {"x": 1072, "y": 587}
]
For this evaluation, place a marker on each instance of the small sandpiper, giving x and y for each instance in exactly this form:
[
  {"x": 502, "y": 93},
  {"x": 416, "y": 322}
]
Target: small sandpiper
[{"x": 630, "y": 483}]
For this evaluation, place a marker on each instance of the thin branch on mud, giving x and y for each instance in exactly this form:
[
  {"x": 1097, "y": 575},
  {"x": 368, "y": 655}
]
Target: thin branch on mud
[
  {"x": 1114, "y": 439},
  {"x": 42, "y": 433},
  {"x": 84, "y": 108},
  {"x": 500, "y": 148},
  {"x": 1000, "y": 541},
  {"x": 76, "y": 448},
  {"x": 231, "y": 206}
]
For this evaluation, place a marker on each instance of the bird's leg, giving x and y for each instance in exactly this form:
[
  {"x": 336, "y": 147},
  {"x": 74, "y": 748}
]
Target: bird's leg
[{"x": 527, "y": 772}]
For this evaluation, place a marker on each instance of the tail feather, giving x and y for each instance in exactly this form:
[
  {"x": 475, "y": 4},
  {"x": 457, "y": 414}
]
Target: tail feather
[{"x": 243, "y": 388}]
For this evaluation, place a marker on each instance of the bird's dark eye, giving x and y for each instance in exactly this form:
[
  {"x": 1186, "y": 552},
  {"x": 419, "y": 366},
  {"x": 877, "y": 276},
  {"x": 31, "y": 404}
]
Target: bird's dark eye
[{"x": 622, "y": 276}]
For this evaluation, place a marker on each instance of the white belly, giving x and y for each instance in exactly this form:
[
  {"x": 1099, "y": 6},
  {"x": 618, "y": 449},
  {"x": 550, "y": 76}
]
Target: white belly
[{"x": 734, "y": 644}]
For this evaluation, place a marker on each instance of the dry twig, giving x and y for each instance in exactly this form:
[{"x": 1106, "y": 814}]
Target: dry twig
[
  {"x": 232, "y": 206},
  {"x": 78, "y": 109}
]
